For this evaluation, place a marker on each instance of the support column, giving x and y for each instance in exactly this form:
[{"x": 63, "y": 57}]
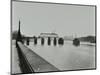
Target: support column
[
  {"x": 42, "y": 41},
  {"x": 60, "y": 41},
  {"x": 49, "y": 41},
  {"x": 27, "y": 42},
  {"x": 55, "y": 41},
  {"x": 76, "y": 42},
  {"x": 35, "y": 40}
]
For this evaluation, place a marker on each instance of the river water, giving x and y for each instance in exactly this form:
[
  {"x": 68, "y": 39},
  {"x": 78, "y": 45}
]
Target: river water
[{"x": 67, "y": 56}]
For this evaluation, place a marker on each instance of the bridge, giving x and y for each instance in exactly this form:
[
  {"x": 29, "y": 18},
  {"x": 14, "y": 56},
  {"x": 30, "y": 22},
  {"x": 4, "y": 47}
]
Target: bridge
[{"x": 26, "y": 60}]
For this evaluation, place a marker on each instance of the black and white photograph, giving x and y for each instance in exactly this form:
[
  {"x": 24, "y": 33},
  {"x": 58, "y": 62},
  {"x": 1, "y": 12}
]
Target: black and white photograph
[{"x": 52, "y": 37}]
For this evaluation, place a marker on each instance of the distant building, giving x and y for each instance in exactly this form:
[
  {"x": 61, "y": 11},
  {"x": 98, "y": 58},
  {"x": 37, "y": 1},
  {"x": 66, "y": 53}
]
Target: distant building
[{"x": 48, "y": 35}]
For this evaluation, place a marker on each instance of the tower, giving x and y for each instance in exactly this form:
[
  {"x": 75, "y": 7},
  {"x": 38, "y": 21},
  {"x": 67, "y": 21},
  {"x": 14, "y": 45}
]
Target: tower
[{"x": 19, "y": 37}]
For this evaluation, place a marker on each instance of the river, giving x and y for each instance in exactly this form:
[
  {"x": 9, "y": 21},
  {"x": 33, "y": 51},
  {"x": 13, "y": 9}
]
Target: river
[{"x": 67, "y": 56}]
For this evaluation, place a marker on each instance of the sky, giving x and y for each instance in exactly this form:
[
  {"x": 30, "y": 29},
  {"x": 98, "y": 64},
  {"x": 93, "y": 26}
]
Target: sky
[{"x": 65, "y": 20}]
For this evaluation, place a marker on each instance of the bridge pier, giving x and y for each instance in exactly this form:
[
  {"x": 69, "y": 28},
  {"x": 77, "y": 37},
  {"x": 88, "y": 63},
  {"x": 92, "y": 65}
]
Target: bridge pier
[
  {"x": 55, "y": 41},
  {"x": 42, "y": 41},
  {"x": 35, "y": 40},
  {"x": 60, "y": 41},
  {"x": 76, "y": 42},
  {"x": 49, "y": 41},
  {"x": 27, "y": 41}
]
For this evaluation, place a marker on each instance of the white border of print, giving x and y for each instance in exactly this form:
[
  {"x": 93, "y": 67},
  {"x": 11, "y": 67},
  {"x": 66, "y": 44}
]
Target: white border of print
[{"x": 5, "y": 37}]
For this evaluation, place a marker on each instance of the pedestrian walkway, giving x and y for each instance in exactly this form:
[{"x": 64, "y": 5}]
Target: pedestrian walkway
[
  {"x": 37, "y": 63},
  {"x": 15, "y": 61}
]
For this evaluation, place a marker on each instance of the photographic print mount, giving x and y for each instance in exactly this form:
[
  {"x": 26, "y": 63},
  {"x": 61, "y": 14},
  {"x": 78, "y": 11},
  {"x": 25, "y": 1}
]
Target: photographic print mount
[{"x": 52, "y": 37}]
